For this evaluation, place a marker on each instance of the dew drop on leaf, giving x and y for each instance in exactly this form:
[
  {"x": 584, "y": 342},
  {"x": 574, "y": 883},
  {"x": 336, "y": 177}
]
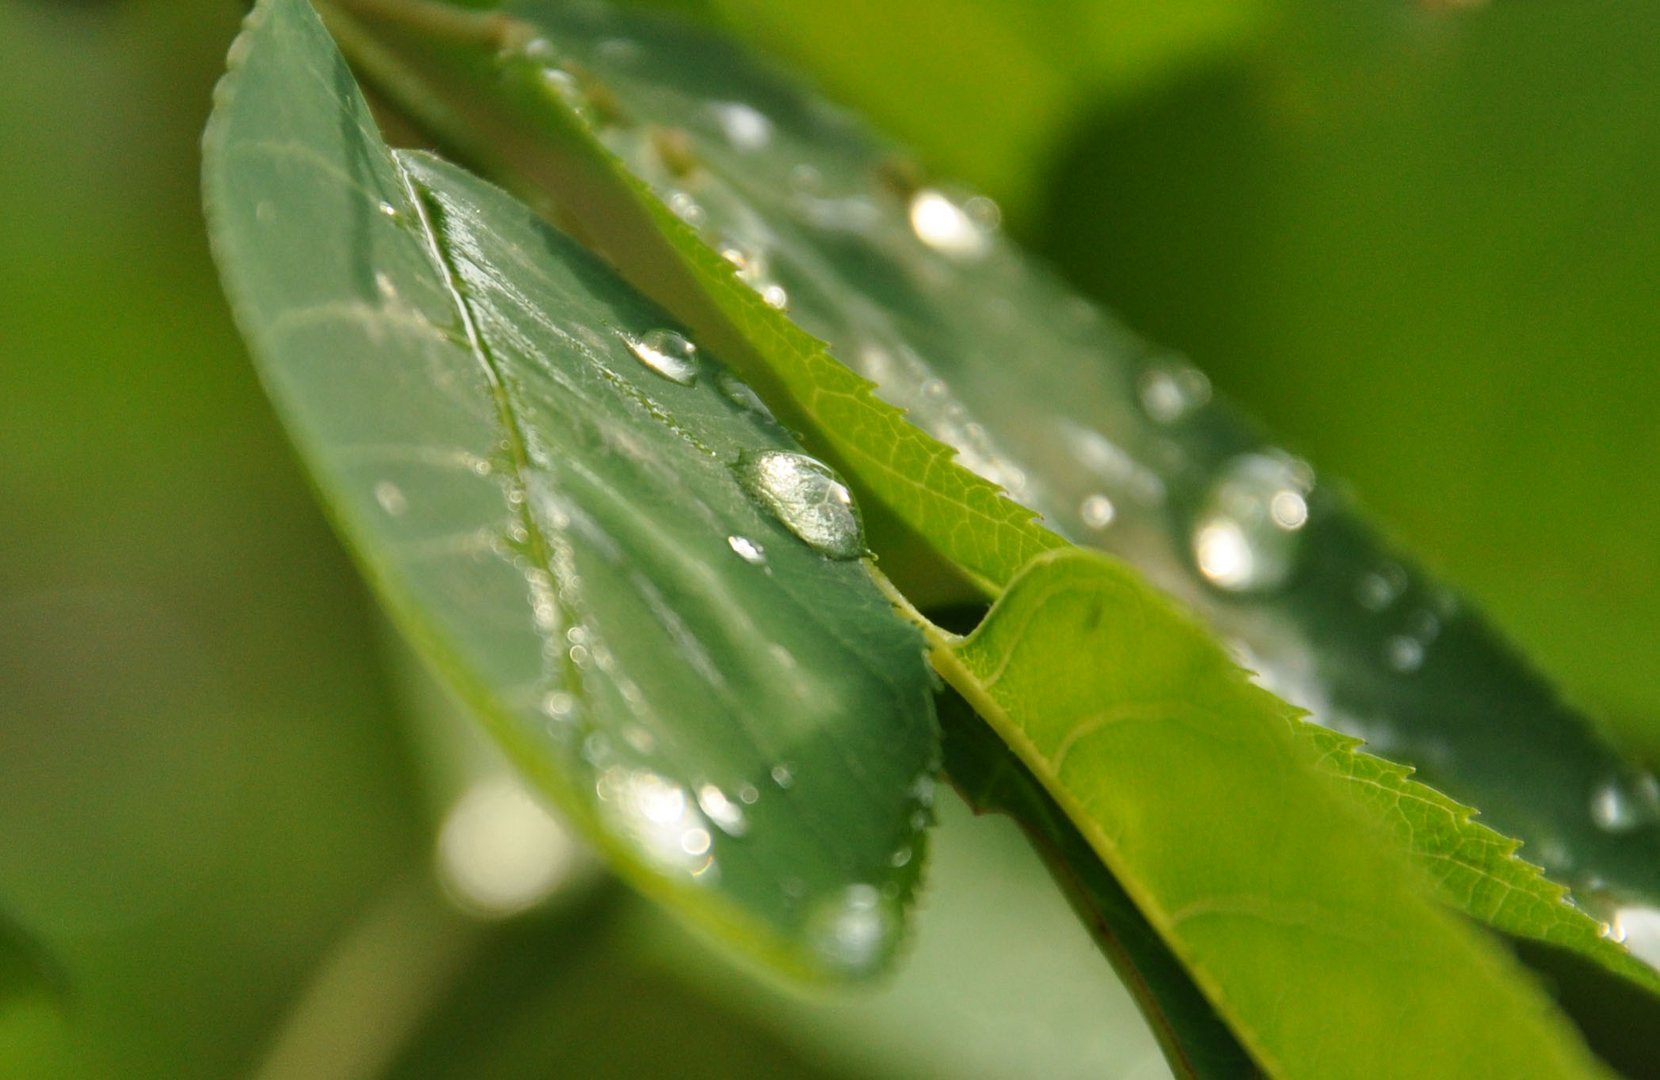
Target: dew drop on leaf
[
  {"x": 960, "y": 228},
  {"x": 807, "y": 499},
  {"x": 667, "y": 353},
  {"x": 1246, "y": 536},
  {"x": 855, "y": 928}
]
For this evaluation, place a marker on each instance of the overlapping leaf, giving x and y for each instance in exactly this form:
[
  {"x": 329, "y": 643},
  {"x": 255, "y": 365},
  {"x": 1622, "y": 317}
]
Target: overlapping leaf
[
  {"x": 557, "y": 495},
  {"x": 1189, "y": 783}
]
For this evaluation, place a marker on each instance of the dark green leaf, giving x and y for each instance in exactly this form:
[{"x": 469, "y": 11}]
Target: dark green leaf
[
  {"x": 1116, "y": 444},
  {"x": 544, "y": 484}
]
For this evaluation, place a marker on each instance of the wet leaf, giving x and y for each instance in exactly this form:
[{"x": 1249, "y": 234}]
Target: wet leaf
[
  {"x": 766, "y": 194},
  {"x": 540, "y": 472},
  {"x": 1253, "y": 867}
]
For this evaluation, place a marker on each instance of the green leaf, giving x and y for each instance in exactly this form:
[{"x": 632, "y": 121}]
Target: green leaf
[
  {"x": 993, "y": 83},
  {"x": 986, "y": 773},
  {"x": 543, "y": 483},
  {"x": 490, "y": 87},
  {"x": 25, "y": 970},
  {"x": 1114, "y": 443},
  {"x": 1262, "y": 879}
]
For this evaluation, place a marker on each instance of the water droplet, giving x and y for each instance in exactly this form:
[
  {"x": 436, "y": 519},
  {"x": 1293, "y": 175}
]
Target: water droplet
[
  {"x": 1625, "y": 802},
  {"x": 782, "y": 776},
  {"x": 667, "y": 353},
  {"x": 657, "y": 815},
  {"x": 721, "y": 810},
  {"x": 1097, "y": 511},
  {"x": 744, "y": 126},
  {"x": 900, "y": 857},
  {"x": 748, "y": 794},
  {"x": 807, "y": 498},
  {"x": 1404, "y": 654},
  {"x": 558, "y": 705},
  {"x": 1379, "y": 589},
  {"x": 774, "y": 296},
  {"x": 854, "y": 929},
  {"x": 743, "y": 395},
  {"x": 566, "y": 90},
  {"x": 687, "y": 209},
  {"x": 391, "y": 498},
  {"x": 1246, "y": 536},
  {"x": 1171, "y": 390},
  {"x": 748, "y": 550},
  {"x": 963, "y": 229}
]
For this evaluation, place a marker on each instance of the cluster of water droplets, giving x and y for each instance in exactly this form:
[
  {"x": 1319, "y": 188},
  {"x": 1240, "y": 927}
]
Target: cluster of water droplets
[{"x": 1246, "y": 534}]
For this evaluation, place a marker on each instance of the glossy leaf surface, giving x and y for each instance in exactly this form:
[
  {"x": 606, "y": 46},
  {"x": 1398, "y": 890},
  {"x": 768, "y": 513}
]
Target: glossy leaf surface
[
  {"x": 554, "y": 491},
  {"x": 1115, "y": 443}
]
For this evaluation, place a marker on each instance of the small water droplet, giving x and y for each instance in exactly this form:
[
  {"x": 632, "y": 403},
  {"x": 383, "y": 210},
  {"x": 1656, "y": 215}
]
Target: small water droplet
[
  {"x": 566, "y": 90},
  {"x": 722, "y": 811},
  {"x": 959, "y": 228},
  {"x": 854, "y": 929},
  {"x": 558, "y": 705},
  {"x": 1171, "y": 390},
  {"x": 744, "y": 126},
  {"x": 748, "y": 550},
  {"x": 1625, "y": 802},
  {"x": 667, "y": 353},
  {"x": 1246, "y": 537},
  {"x": 782, "y": 776},
  {"x": 900, "y": 857},
  {"x": 1379, "y": 589},
  {"x": 742, "y": 394},
  {"x": 774, "y": 296},
  {"x": 687, "y": 209},
  {"x": 1404, "y": 654},
  {"x": 806, "y": 498},
  {"x": 391, "y": 498},
  {"x": 1097, "y": 511},
  {"x": 748, "y": 794}
]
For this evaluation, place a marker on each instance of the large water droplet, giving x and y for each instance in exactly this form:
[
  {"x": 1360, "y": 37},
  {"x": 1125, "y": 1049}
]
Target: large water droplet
[
  {"x": 1246, "y": 535},
  {"x": 854, "y": 929},
  {"x": 1626, "y": 802},
  {"x": 959, "y": 228},
  {"x": 667, "y": 353},
  {"x": 807, "y": 498}
]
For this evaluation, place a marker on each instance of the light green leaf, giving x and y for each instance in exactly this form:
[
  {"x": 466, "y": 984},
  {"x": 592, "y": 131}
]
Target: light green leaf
[
  {"x": 986, "y": 773},
  {"x": 1314, "y": 942},
  {"x": 1114, "y": 443},
  {"x": 543, "y": 482}
]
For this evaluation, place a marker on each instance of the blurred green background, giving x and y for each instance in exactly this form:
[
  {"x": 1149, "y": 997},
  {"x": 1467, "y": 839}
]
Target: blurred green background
[{"x": 1419, "y": 239}]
